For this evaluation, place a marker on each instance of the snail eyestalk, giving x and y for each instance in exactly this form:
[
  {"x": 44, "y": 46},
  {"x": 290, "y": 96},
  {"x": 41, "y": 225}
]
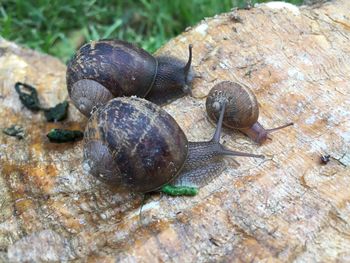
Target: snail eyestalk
[
  {"x": 188, "y": 65},
  {"x": 280, "y": 127},
  {"x": 225, "y": 151},
  {"x": 217, "y": 134}
]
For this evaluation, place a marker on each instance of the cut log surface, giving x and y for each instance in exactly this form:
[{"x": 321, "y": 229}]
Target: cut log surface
[{"x": 288, "y": 207}]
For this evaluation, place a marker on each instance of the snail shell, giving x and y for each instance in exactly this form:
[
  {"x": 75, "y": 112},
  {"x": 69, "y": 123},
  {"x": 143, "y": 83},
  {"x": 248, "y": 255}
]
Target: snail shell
[
  {"x": 135, "y": 143},
  {"x": 105, "y": 69},
  {"x": 242, "y": 109},
  {"x": 117, "y": 65}
]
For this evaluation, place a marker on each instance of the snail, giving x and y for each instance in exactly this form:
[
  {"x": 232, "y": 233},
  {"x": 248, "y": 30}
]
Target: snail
[
  {"x": 134, "y": 143},
  {"x": 104, "y": 69},
  {"x": 242, "y": 110}
]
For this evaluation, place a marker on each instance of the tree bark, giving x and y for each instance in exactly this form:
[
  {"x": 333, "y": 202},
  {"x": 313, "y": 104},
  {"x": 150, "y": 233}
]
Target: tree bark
[{"x": 288, "y": 207}]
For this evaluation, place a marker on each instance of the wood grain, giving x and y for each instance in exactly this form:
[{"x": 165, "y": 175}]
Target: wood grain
[{"x": 287, "y": 207}]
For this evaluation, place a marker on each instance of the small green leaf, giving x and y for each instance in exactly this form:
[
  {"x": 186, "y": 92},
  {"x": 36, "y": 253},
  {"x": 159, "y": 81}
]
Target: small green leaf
[
  {"x": 61, "y": 135},
  {"x": 15, "y": 130},
  {"x": 28, "y": 96},
  {"x": 57, "y": 113},
  {"x": 179, "y": 190}
]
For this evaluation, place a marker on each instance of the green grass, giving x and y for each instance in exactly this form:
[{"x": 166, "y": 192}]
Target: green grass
[{"x": 59, "y": 27}]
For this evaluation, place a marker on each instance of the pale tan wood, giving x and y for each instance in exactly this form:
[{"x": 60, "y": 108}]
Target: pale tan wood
[{"x": 287, "y": 207}]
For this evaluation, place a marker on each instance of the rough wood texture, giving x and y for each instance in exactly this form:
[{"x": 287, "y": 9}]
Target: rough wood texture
[{"x": 287, "y": 207}]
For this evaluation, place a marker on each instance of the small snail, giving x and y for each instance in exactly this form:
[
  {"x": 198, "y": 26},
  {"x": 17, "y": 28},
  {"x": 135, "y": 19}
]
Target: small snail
[
  {"x": 132, "y": 142},
  {"x": 104, "y": 69},
  {"x": 242, "y": 110}
]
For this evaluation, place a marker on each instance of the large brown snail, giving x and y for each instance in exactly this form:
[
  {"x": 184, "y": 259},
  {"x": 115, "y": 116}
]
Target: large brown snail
[
  {"x": 242, "y": 110},
  {"x": 134, "y": 143},
  {"x": 104, "y": 69}
]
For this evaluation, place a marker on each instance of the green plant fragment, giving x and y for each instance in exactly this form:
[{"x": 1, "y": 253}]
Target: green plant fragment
[
  {"x": 57, "y": 113},
  {"x": 179, "y": 190},
  {"x": 61, "y": 135},
  {"x": 15, "y": 131},
  {"x": 28, "y": 96}
]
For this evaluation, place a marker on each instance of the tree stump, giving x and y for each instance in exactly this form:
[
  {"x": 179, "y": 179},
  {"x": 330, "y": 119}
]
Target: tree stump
[{"x": 284, "y": 208}]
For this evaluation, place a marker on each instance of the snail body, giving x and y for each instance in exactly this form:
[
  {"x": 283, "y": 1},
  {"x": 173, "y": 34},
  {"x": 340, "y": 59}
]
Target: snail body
[
  {"x": 105, "y": 69},
  {"x": 134, "y": 143},
  {"x": 242, "y": 110}
]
